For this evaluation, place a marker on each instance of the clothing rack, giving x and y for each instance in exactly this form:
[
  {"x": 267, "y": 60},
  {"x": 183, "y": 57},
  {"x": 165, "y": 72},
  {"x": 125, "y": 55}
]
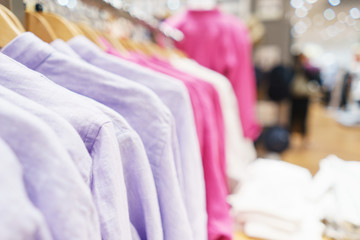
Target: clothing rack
[
  {"x": 138, "y": 17},
  {"x": 126, "y": 12},
  {"x": 152, "y": 24}
]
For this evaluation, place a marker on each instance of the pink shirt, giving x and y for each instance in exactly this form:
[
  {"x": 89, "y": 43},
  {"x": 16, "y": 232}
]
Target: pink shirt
[
  {"x": 210, "y": 129},
  {"x": 221, "y": 42}
]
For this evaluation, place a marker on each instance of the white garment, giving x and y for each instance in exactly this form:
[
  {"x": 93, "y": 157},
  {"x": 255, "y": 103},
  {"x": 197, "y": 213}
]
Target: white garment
[
  {"x": 310, "y": 228},
  {"x": 239, "y": 151},
  {"x": 201, "y": 4},
  {"x": 273, "y": 187},
  {"x": 335, "y": 190},
  {"x": 276, "y": 222},
  {"x": 272, "y": 204},
  {"x": 264, "y": 231}
]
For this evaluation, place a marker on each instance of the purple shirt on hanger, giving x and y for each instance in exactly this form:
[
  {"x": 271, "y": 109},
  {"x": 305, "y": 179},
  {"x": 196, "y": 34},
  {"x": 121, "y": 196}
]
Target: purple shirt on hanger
[
  {"x": 139, "y": 105},
  {"x": 176, "y": 97},
  {"x": 67, "y": 135},
  {"x": 102, "y": 140},
  {"x": 27, "y": 224},
  {"x": 61, "y": 46},
  {"x": 52, "y": 181}
]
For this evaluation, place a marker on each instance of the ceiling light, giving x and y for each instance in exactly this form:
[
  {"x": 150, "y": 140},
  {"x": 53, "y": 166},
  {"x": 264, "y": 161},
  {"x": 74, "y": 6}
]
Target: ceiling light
[
  {"x": 72, "y": 4},
  {"x": 63, "y": 2},
  {"x": 300, "y": 27},
  {"x": 355, "y": 13},
  {"x": 297, "y": 3},
  {"x": 301, "y": 12},
  {"x": 173, "y": 4},
  {"x": 334, "y": 2},
  {"x": 329, "y": 14}
]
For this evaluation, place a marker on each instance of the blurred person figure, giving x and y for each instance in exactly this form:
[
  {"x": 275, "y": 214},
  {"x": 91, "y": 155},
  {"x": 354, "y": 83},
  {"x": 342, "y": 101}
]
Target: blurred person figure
[
  {"x": 279, "y": 83},
  {"x": 300, "y": 92}
]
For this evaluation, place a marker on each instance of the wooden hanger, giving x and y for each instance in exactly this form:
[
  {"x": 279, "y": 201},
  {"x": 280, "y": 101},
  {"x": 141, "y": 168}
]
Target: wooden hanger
[
  {"x": 76, "y": 27},
  {"x": 127, "y": 45},
  {"x": 13, "y": 18},
  {"x": 160, "y": 51},
  {"x": 63, "y": 28},
  {"x": 168, "y": 53},
  {"x": 114, "y": 42},
  {"x": 8, "y": 30},
  {"x": 178, "y": 53},
  {"x": 38, "y": 25},
  {"x": 146, "y": 49},
  {"x": 151, "y": 49},
  {"x": 90, "y": 33}
]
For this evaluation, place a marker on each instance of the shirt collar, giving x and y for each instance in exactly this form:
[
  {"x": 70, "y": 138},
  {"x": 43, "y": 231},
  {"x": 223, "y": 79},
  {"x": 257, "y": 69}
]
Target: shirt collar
[
  {"x": 84, "y": 47},
  {"x": 61, "y": 46},
  {"x": 28, "y": 49}
]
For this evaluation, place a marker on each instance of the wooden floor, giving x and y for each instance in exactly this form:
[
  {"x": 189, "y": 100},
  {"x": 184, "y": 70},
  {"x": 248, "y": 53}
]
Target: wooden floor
[{"x": 325, "y": 137}]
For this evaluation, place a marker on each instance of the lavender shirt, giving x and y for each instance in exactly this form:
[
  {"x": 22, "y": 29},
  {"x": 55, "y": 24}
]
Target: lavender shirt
[
  {"x": 28, "y": 223},
  {"x": 97, "y": 132},
  {"x": 52, "y": 181},
  {"x": 176, "y": 97},
  {"x": 142, "y": 198},
  {"x": 67, "y": 135},
  {"x": 139, "y": 105}
]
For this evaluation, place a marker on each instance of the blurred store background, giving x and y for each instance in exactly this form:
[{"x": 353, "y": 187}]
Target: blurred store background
[
  {"x": 274, "y": 86},
  {"x": 327, "y": 33}
]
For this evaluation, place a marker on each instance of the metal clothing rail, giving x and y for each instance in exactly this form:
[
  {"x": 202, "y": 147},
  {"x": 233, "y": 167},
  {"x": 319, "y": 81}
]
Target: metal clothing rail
[
  {"x": 137, "y": 17},
  {"x": 127, "y": 12}
]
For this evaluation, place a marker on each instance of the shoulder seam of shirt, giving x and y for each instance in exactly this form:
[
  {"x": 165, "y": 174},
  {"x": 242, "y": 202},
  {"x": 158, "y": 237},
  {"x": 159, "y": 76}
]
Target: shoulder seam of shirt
[
  {"x": 91, "y": 139},
  {"x": 42, "y": 61},
  {"x": 161, "y": 141}
]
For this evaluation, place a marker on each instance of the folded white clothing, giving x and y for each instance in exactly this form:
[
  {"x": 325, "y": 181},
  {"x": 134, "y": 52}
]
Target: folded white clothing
[
  {"x": 274, "y": 188},
  {"x": 263, "y": 231},
  {"x": 271, "y": 221},
  {"x": 310, "y": 228},
  {"x": 335, "y": 190},
  {"x": 272, "y": 203}
]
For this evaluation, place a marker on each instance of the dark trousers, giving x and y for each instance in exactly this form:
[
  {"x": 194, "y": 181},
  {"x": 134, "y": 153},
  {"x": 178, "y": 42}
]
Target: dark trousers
[{"x": 299, "y": 112}]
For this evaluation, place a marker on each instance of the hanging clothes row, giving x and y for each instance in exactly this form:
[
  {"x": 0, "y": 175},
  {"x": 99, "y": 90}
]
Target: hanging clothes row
[
  {"x": 229, "y": 55},
  {"x": 115, "y": 139}
]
